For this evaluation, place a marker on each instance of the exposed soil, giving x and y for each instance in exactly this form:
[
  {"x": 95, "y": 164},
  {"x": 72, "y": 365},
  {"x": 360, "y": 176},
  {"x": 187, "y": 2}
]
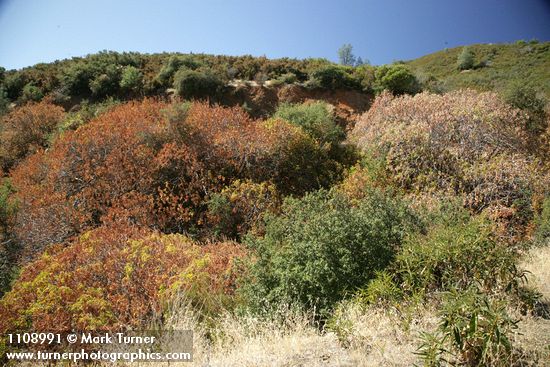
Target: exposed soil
[{"x": 262, "y": 101}]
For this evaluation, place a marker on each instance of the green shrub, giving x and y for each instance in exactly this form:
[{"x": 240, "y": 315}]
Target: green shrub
[
  {"x": 288, "y": 78},
  {"x": 315, "y": 118},
  {"x": 13, "y": 84},
  {"x": 75, "y": 78},
  {"x": 322, "y": 248},
  {"x": 166, "y": 74},
  {"x": 396, "y": 78},
  {"x": 106, "y": 83},
  {"x": 332, "y": 77},
  {"x": 475, "y": 330},
  {"x": 7, "y": 248},
  {"x": 465, "y": 60},
  {"x": 456, "y": 253},
  {"x": 4, "y": 101},
  {"x": 189, "y": 83},
  {"x": 526, "y": 98},
  {"x": 31, "y": 93},
  {"x": 131, "y": 79}
]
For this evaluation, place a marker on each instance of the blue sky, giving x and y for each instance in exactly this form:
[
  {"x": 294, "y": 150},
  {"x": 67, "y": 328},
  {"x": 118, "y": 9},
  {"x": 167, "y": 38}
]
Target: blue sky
[{"x": 381, "y": 31}]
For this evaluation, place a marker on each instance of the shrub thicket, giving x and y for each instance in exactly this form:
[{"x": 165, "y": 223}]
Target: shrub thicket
[
  {"x": 25, "y": 130},
  {"x": 465, "y": 60},
  {"x": 131, "y": 79},
  {"x": 315, "y": 118},
  {"x": 322, "y": 248},
  {"x": 31, "y": 93},
  {"x": 195, "y": 84},
  {"x": 332, "y": 77},
  {"x": 117, "y": 277},
  {"x": 466, "y": 143},
  {"x": 397, "y": 79},
  {"x": 150, "y": 165}
]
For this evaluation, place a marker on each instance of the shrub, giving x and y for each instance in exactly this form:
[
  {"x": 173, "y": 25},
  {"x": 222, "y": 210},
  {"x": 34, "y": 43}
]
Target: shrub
[
  {"x": 288, "y": 78},
  {"x": 131, "y": 79},
  {"x": 31, "y": 93},
  {"x": 117, "y": 277},
  {"x": 397, "y": 78},
  {"x": 75, "y": 78},
  {"x": 456, "y": 254},
  {"x": 527, "y": 99},
  {"x": 4, "y": 101},
  {"x": 174, "y": 63},
  {"x": 475, "y": 330},
  {"x": 26, "y": 129},
  {"x": 14, "y": 82},
  {"x": 8, "y": 249},
  {"x": 150, "y": 164},
  {"x": 239, "y": 208},
  {"x": 466, "y": 143},
  {"x": 332, "y": 77},
  {"x": 322, "y": 248},
  {"x": 315, "y": 118},
  {"x": 465, "y": 60},
  {"x": 297, "y": 163},
  {"x": 190, "y": 83},
  {"x": 106, "y": 83}
]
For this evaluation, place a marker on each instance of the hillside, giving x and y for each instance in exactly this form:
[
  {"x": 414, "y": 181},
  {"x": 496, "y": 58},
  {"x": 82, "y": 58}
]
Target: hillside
[
  {"x": 497, "y": 67},
  {"x": 289, "y": 212}
]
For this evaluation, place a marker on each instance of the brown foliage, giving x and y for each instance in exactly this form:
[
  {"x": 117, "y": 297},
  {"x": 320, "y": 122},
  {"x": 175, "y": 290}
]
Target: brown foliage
[
  {"x": 115, "y": 277},
  {"x": 25, "y": 130},
  {"x": 155, "y": 164},
  {"x": 465, "y": 142}
]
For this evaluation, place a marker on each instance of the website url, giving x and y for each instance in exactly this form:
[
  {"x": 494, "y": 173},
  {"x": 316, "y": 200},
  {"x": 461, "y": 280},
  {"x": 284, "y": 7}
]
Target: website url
[{"x": 113, "y": 357}]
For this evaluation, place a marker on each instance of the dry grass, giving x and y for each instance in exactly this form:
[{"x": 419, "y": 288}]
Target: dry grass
[
  {"x": 358, "y": 337},
  {"x": 534, "y": 332},
  {"x": 537, "y": 263}
]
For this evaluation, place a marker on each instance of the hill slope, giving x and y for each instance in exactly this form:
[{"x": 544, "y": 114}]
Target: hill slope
[{"x": 497, "y": 67}]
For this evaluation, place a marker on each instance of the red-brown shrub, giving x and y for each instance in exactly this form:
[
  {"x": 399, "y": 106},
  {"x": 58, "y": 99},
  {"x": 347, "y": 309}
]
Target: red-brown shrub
[
  {"x": 464, "y": 142},
  {"x": 115, "y": 277},
  {"x": 25, "y": 130}
]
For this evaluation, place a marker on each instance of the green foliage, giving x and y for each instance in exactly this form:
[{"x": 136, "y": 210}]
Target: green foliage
[
  {"x": 465, "y": 60},
  {"x": 239, "y": 208},
  {"x": 4, "y": 101},
  {"x": 315, "y": 118},
  {"x": 332, "y": 77},
  {"x": 381, "y": 290},
  {"x": 189, "y": 83},
  {"x": 13, "y": 84},
  {"x": 7, "y": 248},
  {"x": 75, "y": 78},
  {"x": 526, "y": 98},
  {"x": 166, "y": 74},
  {"x": 345, "y": 55},
  {"x": 106, "y": 83},
  {"x": 456, "y": 253},
  {"x": 322, "y": 248},
  {"x": 6, "y": 207},
  {"x": 131, "y": 79},
  {"x": 396, "y": 78},
  {"x": 475, "y": 330},
  {"x": 31, "y": 93},
  {"x": 507, "y": 64}
]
